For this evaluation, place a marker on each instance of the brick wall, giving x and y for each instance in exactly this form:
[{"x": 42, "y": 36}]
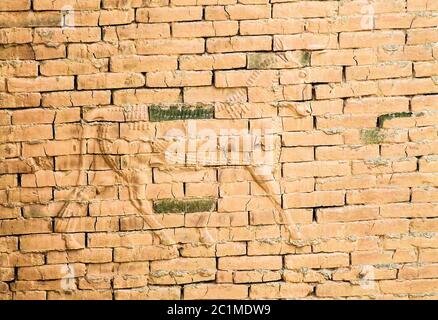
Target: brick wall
[{"x": 182, "y": 149}]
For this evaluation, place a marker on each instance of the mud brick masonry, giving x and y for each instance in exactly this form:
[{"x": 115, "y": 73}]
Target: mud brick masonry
[{"x": 322, "y": 177}]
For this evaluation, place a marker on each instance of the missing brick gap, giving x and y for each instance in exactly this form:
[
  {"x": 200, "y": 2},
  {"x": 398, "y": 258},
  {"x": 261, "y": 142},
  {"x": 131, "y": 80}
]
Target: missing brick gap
[{"x": 389, "y": 116}]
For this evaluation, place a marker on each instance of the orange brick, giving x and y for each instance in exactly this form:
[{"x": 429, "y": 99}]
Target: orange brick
[
  {"x": 210, "y": 62},
  {"x": 314, "y": 199},
  {"x": 58, "y": 4},
  {"x": 72, "y": 67},
  {"x": 250, "y": 263},
  {"x": 169, "y": 14},
  {"x": 145, "y": 253},
  {"x": 374, "y": 39},
  {"x": 305, "y": 9},
  {"x": 381, "y": 71},
  {"x": 343, "y": 57},
  {"x": 110, "y": 80},
  {"x": 143, "y": 63},
  {"x": 12, "y": 5},
  {"x": 378, "y": 196},
  {"x": 340, "y": 289},
  {"x": 317, "y": 261},
  {"x": 77, "y": 34},
  {"x": 115, "y": 17},
  {"x": 280, "y": 290},
  {"x": 178, "y": 78},
  {"x": 311, "y": 75},
  {"x": 205, "y": 29},
  {"x": 305, "y": 41},
  {"x": 239, "y": 43},
  {"x": 40, "y": 84},
  {"x": 25, "y": 226},
  {"x": 142, "y": 31},
  {"x": 248, "y": 12},
  {"x": 351, "y": 89},
  {"x": 271, "y": 26},
  {"x": 170, "y": 46},
  {"x": 316, "y": 169},
  {"x": 215, "y": 291}
]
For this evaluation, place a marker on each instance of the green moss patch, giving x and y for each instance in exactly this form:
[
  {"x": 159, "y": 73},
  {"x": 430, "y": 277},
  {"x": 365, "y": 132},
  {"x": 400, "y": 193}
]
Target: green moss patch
[
  {"x": 186, "y": 206},
  {"x": 305, "y": 58},
  {"x": 157, "y": 113},
  {"x": 371, "y": 136},
  {"x": 390, "y": 116},
  {"x": 256, "y": 61},
  {"x": 262, "y": 60}
]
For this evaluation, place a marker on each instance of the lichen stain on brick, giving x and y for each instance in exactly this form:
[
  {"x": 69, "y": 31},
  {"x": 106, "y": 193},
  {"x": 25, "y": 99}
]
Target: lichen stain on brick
[
  {"x": 157, "y": 113},
  {"x": 186, "y": 206}
]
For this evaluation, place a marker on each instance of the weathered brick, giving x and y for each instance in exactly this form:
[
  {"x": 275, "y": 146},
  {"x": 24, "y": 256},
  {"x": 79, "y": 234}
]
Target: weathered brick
[
  {"x": 339, "y": 289},
  {"x": 212, "y": 62},
  {"x": 40, "y": 84},
  {"x": 170, "y": 46},
  {"x": 314, "y": 199},
  {"x": 248, "y": 12},
  {"x": 169, "y": 14},
  {"x": 316, "y": 169},
  {"x": 343, "y": 57},
  {"x": 145, "y": 253},
  {"x": 13, "y": 5},
  {"x": 215, "y": 291},
  {"x": 59, "y": 5},
  {"x": 305, "y": 41},
  {"x": 143, "y": 63},
  {"x": 178, "y": 78},
  {"x": 29, "y": 19},
  {"x": 110, "y": 80},
  {"x": 144, "y": 96},
  {"x": 304, "y": 9},
  {"x": 239, "y": 43},
  {"x": 72, "y": 67},
  {"x": 271, "y": 26},
  {"x": 250, "y": 263},
  {"x": 25, "y": 226},
  {"x": 374, "y": 39},
  {"x": 68, "y": 35},
  {"x": 205, "y": 29},
  {"x": 280, "y": 290}
]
